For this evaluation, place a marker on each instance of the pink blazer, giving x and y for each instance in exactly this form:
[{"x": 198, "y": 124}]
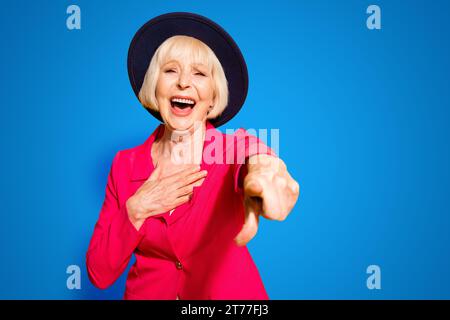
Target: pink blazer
[{"x": 189, "y": 253}]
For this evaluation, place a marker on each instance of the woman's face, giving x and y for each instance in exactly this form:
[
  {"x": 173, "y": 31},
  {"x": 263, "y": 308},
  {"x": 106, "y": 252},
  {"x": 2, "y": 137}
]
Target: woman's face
[{"x": 185, "y": 92}]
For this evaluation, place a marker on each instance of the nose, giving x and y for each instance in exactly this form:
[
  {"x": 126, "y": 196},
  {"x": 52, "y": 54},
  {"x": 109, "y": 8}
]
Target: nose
[{"x": 184, "y": 80}]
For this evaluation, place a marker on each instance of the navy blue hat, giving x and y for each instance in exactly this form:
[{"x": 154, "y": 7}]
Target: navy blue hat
[{"x": 152, "y": 34}]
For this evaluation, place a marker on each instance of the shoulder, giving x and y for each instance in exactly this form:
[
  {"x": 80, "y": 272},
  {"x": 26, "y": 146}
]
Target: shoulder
[
  {"x": 123, "y": 161},
  {"x": 232, "y": 139},
  {"x": 128, "y": 155},
  {"x": 127, "y": 160}
]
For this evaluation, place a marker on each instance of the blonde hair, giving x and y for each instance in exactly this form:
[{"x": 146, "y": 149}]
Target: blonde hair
[{"x": 180, "y": 48}]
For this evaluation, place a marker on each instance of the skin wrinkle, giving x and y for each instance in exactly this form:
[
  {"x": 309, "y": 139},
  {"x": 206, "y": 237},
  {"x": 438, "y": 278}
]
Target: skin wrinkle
[
  {"x": 267, "y": 178},
  {"x": 268, "y": 188}
]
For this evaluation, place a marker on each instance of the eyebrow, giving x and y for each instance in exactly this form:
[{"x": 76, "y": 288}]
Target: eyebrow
[
  {"x": 199, "y": 65},
  {"x": 195, "y": 64},
  {"x": 169, "y": 62}
]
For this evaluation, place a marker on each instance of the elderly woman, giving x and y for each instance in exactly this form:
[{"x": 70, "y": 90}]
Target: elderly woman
[{"x": 187, "y": 201}]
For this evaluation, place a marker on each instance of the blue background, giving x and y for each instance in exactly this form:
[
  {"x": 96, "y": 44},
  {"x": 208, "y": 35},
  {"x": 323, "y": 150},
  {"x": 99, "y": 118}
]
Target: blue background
[{"x": 364, "y": 127}]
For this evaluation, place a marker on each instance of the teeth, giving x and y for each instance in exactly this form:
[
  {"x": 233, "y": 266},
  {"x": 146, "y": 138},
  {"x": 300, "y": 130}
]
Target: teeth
[{"x": 187, "y": 101}]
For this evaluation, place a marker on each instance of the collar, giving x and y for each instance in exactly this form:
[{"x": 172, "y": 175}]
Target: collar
[{"x": 143, "y": 164}]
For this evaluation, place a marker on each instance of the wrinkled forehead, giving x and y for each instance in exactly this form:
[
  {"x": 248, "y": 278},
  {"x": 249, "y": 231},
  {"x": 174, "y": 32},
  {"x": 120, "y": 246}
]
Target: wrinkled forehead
[{"x": 186, "y": 50}]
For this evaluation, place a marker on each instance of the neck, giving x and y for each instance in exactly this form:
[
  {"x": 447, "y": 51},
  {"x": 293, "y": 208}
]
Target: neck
[{"x": 183, "y": 146}]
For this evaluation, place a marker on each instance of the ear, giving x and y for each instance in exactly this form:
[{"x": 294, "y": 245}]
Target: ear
[
  {"x": 212, "y": 104},
  {"x": 209, "y": 109}
]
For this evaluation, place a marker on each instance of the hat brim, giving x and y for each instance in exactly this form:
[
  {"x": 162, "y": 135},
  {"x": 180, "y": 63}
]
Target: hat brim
[{"x": 152, "y": 34}]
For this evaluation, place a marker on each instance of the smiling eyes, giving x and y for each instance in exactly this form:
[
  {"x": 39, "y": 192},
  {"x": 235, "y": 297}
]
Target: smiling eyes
[{"x": 197, "y": 72}]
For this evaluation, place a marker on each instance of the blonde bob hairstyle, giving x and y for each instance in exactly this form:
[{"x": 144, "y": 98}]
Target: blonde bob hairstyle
[{"x": 182, "y": 48}]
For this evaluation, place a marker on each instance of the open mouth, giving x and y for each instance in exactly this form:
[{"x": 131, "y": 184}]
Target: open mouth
[{"x": 182, "y": 105}]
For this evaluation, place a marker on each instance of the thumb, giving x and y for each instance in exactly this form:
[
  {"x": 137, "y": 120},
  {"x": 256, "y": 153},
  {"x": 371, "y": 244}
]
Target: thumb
[
  {"x": 155, "y": 174},
  {"x": 250, "y": 227},
  {"x": 253, "y": 188}
]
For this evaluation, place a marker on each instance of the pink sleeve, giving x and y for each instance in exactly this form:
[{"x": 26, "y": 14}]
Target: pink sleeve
[
  {"x": 114, "y": 238},
  {"x": 245, "y": 146}
]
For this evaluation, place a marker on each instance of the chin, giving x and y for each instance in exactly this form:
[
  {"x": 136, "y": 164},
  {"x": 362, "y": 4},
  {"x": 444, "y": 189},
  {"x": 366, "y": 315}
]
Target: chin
[{"x": 178, "y": 123}]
